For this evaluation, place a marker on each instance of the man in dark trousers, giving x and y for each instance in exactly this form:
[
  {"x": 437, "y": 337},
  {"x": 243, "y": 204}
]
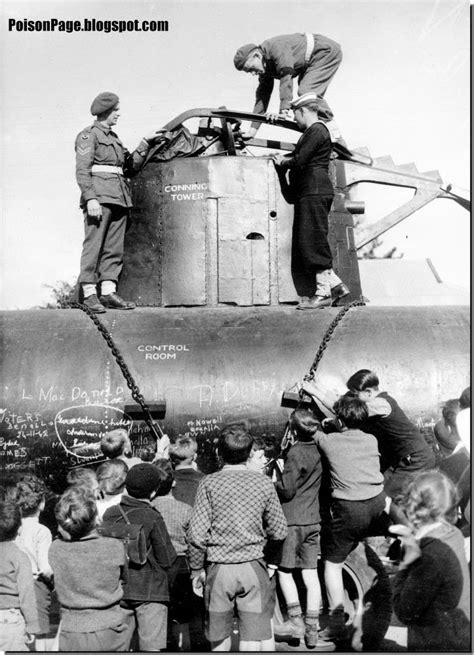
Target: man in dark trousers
[
  {"x": 311, "y": 191},
  {"x": 102, "y": 164},
  {"x": 313, "y": 58}
]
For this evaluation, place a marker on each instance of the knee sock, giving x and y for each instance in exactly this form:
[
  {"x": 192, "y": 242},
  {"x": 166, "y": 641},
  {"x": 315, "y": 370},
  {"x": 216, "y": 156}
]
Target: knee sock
[
  {"x": 312, "y": 619},
  {"x": 294, "y": 609}
]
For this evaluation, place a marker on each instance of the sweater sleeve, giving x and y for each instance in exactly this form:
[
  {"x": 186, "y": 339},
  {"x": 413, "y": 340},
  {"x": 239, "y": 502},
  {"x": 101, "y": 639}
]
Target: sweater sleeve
[
  {"x": 274, "y": 520},
  {"x": 199, "y": 527},
  {"x": 26, "y": 593},
  {"x": 43, "y": 544},
  {"x": 415, "y": 588}
]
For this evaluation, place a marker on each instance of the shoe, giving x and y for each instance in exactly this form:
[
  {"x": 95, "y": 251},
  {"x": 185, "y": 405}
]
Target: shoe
[
  {"x": 94, "y": 304},
  {"x": 316, "y": 302},
  {"x": 294, "y": 628},
  {"x": 338, "y": 292},
  {"x": 114, "y": 301},
  {"x": 312, "y": 640},
  {"x": 336, "y": 629}
]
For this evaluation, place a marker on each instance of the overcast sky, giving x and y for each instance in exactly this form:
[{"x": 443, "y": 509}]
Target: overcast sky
[{"x": 402, "y": 90}]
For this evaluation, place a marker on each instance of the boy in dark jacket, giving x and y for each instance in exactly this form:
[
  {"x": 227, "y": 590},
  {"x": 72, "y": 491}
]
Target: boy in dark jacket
[
  {"x": 298, "y": 491},
  {"x": 146, "y": 594}
]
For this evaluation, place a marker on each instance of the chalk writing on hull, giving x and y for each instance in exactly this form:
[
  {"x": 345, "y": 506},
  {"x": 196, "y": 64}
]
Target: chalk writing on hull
[{"x": 80, "y": 428}]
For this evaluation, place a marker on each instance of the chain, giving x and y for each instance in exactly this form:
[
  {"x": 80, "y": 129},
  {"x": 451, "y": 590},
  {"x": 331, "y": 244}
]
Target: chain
[
  {"x": 328, "y": 336},
  {"x": 288, "y": 439},
  {"x": 132, "y": 385}
]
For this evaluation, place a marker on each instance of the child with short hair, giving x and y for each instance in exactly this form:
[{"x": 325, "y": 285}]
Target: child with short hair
[
  {"x": 88, "y": 573},
  {"x": 431, "y": 590},
  {"x": 402, "y": 446},
  {"x": 357, "y": 501},
  {"x": 84, "y": 477},
  {"x": 298, "y": 491},
  {"x": 236, "y": 509},
  {"x": 116, "y": 445},
  {"x": 34, "y": 539},
  {"x": 187, "y": 477},
  {"x": 176, "y": 516},
  {"x": 18, "y": 613},
  {"x": 146, "y": 593},
  {"x": 111, "y": 477}
]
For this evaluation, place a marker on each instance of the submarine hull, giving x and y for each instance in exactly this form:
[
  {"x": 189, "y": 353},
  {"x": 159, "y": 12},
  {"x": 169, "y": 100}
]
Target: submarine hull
[{"x": 63, "y": 386}]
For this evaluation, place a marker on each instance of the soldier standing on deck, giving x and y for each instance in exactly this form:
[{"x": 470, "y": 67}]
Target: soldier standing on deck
[
  {"x": 102, "y": 163},
  {"x": 312, "y": 193}
]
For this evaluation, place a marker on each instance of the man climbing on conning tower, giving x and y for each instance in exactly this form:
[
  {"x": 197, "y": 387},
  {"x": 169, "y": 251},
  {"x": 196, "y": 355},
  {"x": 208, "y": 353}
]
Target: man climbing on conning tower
[{"x": 313, "y": 58}]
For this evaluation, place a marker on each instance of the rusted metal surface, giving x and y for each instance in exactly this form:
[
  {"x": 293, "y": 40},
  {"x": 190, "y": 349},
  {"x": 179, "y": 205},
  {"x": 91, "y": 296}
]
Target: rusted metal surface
[{"x": 62, "y": 387}]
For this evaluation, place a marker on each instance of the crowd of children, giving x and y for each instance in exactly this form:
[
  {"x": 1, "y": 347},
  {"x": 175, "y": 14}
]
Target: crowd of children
[{"x": 210, "y": 549}]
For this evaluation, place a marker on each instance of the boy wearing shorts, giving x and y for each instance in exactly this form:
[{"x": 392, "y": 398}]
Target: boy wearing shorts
[
  {"x": 357, "y": 501},
  {"x": 236, "y": 509},
  {"x": 298, "y": 491}
]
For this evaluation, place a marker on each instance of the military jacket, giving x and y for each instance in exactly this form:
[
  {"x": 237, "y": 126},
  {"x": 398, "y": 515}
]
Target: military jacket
[
  {"x": 284, "y": 59},
  {"x": 98, "y": 144}
]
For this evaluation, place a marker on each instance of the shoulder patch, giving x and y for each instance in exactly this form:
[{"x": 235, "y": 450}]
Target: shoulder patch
[{"x": 85, "y": 137}]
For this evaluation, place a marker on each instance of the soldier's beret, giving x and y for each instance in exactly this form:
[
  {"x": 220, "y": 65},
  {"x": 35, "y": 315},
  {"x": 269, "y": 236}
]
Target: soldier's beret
[
  {"x": 103, "y": 102},
  {"x": 242, "y": 55},
  {"x": 302, "y": 101}
]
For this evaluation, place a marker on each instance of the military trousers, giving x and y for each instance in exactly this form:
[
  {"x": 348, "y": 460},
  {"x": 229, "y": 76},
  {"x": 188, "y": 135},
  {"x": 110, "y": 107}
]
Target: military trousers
[
  {"x": 310, "y": 251},
  {"x": 102, "y": 249},
  {"x": 322, "y": 66}
]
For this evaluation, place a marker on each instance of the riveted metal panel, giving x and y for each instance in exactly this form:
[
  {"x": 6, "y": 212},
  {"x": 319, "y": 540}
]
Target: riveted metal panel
[{"x": 241, "y": 186}]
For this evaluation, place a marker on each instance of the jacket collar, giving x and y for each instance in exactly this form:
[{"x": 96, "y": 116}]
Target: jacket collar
[
  {"x": 134, "y": 502},
  {"x": 105, "y": 130}
]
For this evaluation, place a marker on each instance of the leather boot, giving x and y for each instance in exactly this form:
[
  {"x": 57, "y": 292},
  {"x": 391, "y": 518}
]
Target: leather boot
[
  {"x": 94, "y": 304},
  {"x": 338, "y": 292},
  {"x": 316, "y": 302},
  {"x": 114, "y": 301}
]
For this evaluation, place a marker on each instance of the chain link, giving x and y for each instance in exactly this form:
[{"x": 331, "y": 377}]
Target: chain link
[{"x": 132, "y": 385}]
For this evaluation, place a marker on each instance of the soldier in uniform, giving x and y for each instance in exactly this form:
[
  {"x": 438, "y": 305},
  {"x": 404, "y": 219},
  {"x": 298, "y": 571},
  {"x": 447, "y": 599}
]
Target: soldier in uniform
[
  {"x": 102, "y": 164},
  {"x": 311, "y": 191},
  {"x": 313, "y": 58}
]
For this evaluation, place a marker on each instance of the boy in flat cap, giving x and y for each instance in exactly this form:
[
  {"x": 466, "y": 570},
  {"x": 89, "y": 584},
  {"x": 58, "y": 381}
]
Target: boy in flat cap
[
  {"x": 102, "y": 164},
  {"x": 312, "y": 58},
  {"x": 311, "y": 192}
]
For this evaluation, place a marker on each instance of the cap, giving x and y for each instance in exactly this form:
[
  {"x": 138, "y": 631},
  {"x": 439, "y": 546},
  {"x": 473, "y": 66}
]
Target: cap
[
  {"x": 142, "y": 480},
  {"x": 302, "y": 101},
  {"x": 103, "y": 102},
  {"x": 327, "y": 389},
  {"x": 242, "y": 55}
]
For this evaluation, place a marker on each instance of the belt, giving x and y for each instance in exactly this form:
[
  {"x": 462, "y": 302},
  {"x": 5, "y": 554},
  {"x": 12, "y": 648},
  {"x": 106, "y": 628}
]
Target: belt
[
  {"x": 309, "y": 47},
  {"x": 104, "y": 168}
]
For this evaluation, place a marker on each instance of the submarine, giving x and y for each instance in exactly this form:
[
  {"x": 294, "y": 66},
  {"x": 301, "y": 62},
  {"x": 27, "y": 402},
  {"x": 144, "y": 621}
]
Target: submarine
[{"x": 215, "y": 337}]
